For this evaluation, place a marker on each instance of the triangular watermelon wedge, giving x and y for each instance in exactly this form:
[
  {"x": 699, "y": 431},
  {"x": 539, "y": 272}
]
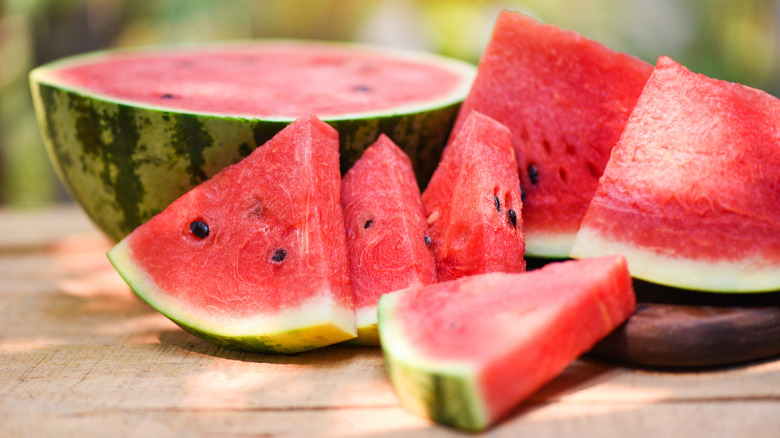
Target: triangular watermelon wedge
[
  {"x": 386, "y": 231},
  {"x": 466, "y": 352},
  {"x": 566, "y": 100},
  {"x": 473, "y": 203},
  {"x": 691, "y": 194},
  {"x": 253, "y": 259}
]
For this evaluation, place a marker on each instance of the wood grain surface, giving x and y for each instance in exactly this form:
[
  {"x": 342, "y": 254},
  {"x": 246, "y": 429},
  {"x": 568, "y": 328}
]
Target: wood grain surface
[{"x": 80, "y": 355}]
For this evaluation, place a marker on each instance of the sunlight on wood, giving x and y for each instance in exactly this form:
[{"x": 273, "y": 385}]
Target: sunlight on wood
[
  {"x": 99, "y": 283},
  {"x": 391, "y": 422},
  {"x": 82, "y": 263},
  {"x": 763, "y": 368},
  {"x": 81, "y": 243},
  {"x": 145, "y": 329},
  {"x": 223, "y": 389},
  {"x": 609, "y": 392},
  {"x": 23, "y": 345},
  {"x": 90, "y": 276}
]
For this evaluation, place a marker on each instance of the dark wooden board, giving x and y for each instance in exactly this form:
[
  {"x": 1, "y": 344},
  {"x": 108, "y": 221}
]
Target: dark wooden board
[{"x": 679, "y": 328}]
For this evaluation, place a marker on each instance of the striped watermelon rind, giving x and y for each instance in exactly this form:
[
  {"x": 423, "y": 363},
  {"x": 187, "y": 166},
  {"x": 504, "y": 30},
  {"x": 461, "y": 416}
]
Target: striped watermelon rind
[
  {"x": 124, "y": 162},
  {"x": 422, "y": 383}
]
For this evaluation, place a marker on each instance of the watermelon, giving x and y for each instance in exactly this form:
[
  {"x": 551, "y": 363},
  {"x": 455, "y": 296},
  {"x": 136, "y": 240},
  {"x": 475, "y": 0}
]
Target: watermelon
[
  {"x": 473, "y": 203},
  {"x": 254, "y": 258},
  {"x": 566, "y": 100},
  {"x": 130, "y": 130},
  {"x": 691, "y": 193},
  {"x": 386, "y": 232},
  {"x": 467, "y": 351}
]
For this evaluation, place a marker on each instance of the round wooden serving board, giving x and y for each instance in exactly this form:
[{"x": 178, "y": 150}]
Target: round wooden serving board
[{"x": 678, "y": 328}]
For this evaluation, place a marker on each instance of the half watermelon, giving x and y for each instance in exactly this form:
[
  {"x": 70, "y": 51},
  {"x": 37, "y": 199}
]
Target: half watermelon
[
  {"x": 254, "y": 258},
  {"x": 385, "y": 229},
  {"x": 474, "y": 205},
  {"x": 566, "y": 100},
  {"x": 466, "y": 352},
  {"x": 129, "y": 131},
  {"x": 691, "y": 194}
]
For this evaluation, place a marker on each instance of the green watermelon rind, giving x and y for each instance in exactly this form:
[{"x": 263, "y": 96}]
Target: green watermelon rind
[
  {"x": 726, "y": 276},
  {"x": 317, "y": 323},
  {"x": 444, "y": 391},
  {"x": 367, "y": 329},
  {"x": 125, "y": 162}
]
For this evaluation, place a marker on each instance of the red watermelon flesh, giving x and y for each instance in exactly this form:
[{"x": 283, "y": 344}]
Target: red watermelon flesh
[
  {"x": 466, "y": 352},
  {"x": 473, "y": 203},
  {"x": 254, "y": 258},
  {"x": 386, "y": 231},
  {"x": 330, "y": 80},
  {"x": 566, "y": 100},
  {"x": 691, "y": 194}
]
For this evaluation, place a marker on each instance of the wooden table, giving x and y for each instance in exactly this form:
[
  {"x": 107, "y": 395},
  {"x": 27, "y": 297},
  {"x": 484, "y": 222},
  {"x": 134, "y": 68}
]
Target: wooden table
[{"x": 80, "y": 355}]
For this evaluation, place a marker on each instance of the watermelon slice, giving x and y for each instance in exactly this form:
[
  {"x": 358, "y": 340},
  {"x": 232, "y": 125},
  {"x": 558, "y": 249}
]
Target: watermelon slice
[
  {"x": 691, "y": 193},
  {"x": 129, "y": 131},
  {"x": 466, "y": 352},
  {"x": 386, "y": 231},
  {"x": 566, "y": 100},
  {"x": 473, "y": 203},
  {"x": 253, "y": 259}
]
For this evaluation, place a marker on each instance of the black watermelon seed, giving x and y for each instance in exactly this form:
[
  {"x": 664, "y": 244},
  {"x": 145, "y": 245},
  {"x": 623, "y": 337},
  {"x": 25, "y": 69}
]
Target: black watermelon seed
[
  {"x": 167, "y": 96},
  {"x": 199, "y": 229},
  {"x": 427, "y": 241},
  {"x": 533, "y": 173},
  {"x": 361, "y": 88},
  {"x": 279, "y": 255},
  {"x": 368, "y": 223},
  {"x": 497, "y": 202},
  {"x": 522, "y": 194},
  {"x": 512, "y": 217}
]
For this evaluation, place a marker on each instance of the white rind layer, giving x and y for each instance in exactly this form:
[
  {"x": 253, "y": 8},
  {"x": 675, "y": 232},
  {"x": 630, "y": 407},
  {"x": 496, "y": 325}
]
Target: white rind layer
[
  {"x": 319, "y": 311},
  {"x": 548, "y": 245},
  {"x": 746, "y": 275}
]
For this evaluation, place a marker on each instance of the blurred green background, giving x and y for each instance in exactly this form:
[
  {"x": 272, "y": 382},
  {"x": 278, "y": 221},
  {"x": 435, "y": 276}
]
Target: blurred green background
[{"x": 735, "y": 40}]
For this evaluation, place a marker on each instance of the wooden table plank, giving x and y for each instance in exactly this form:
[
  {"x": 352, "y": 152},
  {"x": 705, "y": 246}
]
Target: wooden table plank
[
  {"x": 39, "y": 228},
  {"x": 80, "y": 355},
  {"x": 667, "y": 421}
]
